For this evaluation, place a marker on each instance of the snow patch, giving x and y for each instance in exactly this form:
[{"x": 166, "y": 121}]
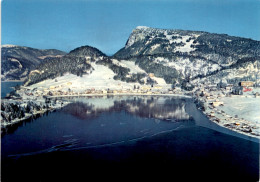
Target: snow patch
[
  {"x": 244, "y": 107},
  {"x": 9, "y": 45},
  {"x": 15, "y": 60},
  {"x": 155, "y": 47},
  {"x": 142, "y": 27},
  {"x": 160, "y": 81},
  {"x": 187, "y": 45}
]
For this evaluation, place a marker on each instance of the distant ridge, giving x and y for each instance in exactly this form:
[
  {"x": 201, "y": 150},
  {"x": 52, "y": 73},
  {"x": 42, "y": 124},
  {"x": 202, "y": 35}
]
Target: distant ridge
[{"x": 18, "y": 61}]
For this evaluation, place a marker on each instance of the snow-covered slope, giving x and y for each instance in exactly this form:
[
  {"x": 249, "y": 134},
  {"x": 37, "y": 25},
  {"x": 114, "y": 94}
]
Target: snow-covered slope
[
  {"x": 145, "y": 40},
  {"x": 100, "y": 78}
]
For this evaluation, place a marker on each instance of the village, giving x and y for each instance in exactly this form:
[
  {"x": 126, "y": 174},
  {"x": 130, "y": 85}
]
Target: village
[
  {"x": 233, "y": 107},
  {"x": 56, "y": 91}
]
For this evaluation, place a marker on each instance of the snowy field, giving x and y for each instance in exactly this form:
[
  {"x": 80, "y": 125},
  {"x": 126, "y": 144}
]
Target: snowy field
[
  {"x": 101, "y": 78},
  {"x": 246, "y": 106}
]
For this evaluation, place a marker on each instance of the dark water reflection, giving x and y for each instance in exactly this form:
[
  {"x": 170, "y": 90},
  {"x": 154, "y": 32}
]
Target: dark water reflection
[
  {"x": 91, "y": 122},
  {"x": 164, "y": 108},
  {"x": 97, "y": 136}
]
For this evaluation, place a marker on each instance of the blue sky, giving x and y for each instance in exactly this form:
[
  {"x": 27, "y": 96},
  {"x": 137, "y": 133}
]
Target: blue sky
[{"x": 107, "y": 24}]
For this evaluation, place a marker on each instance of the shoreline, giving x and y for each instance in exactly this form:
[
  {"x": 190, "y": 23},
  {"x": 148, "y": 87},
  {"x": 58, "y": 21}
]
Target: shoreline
[
  {"x": 202, "y": 120},
  {"x": 30, "y": 116},
  {"x": 218, "y": 116},
  {"x": 120, "y": 94},
  {"x": 235, "y": 130},
  {"x": 238, "y": 131},
  {"x": 27, "y": 116}
]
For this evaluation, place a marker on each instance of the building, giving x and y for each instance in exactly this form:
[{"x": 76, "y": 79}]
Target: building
[
  {"x": 228, "y": 88},
  {"x": 246, "y": 83},
  {"x": 151, "y": 75},
  {"x": 110, "y": 91},
  {"x": 52, "y": 87},
  {"x": 157, "y": 87},
  {"x": 145, "y": 87},
  {"x": 237, "y": 90},
  {"x": 104, "y": 92},
  {"x": 217, "y": 103}
]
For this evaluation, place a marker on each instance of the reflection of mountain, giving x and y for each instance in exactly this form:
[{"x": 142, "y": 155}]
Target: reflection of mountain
[{"x": 145, "y": 107}]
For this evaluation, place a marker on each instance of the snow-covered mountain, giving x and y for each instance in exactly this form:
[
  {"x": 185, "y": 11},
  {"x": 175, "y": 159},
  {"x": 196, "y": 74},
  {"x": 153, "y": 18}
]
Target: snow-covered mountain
[
  {"x": 158, "y": 56},
  {"x": 181, "y": 55},
  {"x": 217, "y": 47},
  {"x": 18, "y": 61}
]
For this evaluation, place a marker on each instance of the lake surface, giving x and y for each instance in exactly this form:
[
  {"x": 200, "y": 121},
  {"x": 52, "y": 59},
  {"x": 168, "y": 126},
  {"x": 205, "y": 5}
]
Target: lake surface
[
  {"x": 138, "y": 137},
  {"x": 7, "y": 87}
]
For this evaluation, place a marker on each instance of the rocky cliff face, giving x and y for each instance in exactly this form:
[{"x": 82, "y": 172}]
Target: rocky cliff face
[{"x": 18, "y": 61}]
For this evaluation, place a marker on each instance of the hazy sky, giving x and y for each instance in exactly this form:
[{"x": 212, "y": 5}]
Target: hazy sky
[{"x": 106, "y": 24}]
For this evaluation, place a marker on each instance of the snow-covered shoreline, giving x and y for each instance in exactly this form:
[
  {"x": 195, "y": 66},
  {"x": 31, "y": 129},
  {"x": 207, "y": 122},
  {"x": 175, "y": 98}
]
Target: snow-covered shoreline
[
  {"x": 238, "y": 131},
  {"x": 31, "y": 114},
  {"x": 27, "y": 116},
  {"x": 121, "y": 94},
  {"x": 226, "y": 115}
]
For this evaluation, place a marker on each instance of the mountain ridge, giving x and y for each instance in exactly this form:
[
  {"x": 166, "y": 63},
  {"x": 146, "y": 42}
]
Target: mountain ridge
[{"x": 142, "y": 35}]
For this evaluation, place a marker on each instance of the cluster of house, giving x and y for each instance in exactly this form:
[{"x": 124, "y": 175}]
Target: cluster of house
[
  {"x": 205, "y": 89},
  {"x": 210, "y": 99},
  {"x": 211, "y": 94},
  {"x": 239, "y": 89},
  {"x": 61, "y": 90}
]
